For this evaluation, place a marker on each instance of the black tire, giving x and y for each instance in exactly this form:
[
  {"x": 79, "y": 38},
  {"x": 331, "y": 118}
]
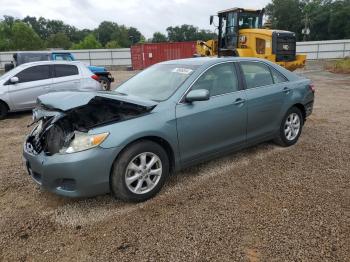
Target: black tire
[
  {"x": 105, "y": 83},
  {"x": 118, "y": 184},
  {"x": 3, "y": 110},
  {"x": 282, "y": 139}
]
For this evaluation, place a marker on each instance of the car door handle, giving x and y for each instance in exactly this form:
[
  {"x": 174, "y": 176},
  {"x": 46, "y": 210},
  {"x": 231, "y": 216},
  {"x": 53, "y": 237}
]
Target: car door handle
[
  {"x": 239, "y": 101},
  {"x": 286, "y": 90}
]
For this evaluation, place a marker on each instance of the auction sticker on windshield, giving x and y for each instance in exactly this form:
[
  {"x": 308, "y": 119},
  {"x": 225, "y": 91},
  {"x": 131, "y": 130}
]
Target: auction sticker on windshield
[{"x": 185, "y": 71}]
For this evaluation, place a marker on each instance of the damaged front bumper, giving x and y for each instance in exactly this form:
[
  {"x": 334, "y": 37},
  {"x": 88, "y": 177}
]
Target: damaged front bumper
[
  {"x": 83, "y": 168},
  {"x": 81, "y": 174}
]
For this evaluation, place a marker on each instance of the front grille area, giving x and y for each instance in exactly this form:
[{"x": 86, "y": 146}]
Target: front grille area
[{"x": 284, "y": 46}]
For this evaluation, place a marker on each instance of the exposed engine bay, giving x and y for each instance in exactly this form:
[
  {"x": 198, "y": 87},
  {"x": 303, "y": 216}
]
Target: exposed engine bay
[{"x": 56, "y": 129}]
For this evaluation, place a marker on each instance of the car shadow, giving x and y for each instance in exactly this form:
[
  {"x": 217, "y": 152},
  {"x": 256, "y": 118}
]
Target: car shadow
[
  {"x": 84, "y": 211},
  {"x": 17, "y": 115},
  {"x": 179, "y": 180}
]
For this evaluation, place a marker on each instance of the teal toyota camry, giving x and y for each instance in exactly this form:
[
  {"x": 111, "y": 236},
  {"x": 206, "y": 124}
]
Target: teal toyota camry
[{"x": 170, "y": 116}]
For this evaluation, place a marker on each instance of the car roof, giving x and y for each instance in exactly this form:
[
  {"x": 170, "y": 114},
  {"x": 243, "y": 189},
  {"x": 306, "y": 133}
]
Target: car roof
[
  {"x": 201, "y": 61},
  {"x": 206, "y": 62},
  {"x": 50, "y": 63},
  {"x": 43, "y": 52}
]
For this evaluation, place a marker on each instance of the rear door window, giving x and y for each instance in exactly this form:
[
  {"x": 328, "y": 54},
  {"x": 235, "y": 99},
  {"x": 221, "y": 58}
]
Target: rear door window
[
  {"x": 34, "y": 73},
  {"x": 65, "y": 70},
  {"x": 278, "y": 77},
  {"x": 256, "y": 74}
]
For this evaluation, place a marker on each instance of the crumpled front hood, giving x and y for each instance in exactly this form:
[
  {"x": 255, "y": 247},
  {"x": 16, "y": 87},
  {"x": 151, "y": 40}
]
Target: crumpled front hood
[{"x": 71, "y": 99}]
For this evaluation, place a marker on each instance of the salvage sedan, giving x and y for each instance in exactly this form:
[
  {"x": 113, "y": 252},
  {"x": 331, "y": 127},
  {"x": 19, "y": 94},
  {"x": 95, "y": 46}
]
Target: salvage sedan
[{"x": 173, "y": 115}]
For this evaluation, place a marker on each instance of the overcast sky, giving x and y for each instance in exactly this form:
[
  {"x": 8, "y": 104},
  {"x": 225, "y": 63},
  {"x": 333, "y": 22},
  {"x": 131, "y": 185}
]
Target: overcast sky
[{"x": 148, "y": 16}]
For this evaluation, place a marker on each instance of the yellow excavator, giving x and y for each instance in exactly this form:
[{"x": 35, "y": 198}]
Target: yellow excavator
[{"x": 241, "y": 33}]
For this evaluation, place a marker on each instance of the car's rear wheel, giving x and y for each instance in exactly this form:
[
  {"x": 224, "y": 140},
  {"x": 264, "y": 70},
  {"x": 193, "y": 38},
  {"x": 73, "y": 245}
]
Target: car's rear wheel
[
  {"x": 290, "y": 128},
  {"x": 140, "y": 171},
  {"x": 3, "y": 110},
  {"x": 105, "y": 83}
]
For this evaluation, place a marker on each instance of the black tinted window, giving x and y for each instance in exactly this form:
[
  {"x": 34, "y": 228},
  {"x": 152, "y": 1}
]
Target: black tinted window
[
  {"x": 220, "y": 79},
  {"x": 34, "y": 73},
  {"x": 256, "y": 74},
  {"x": 66, "y": 70},
  {"x": 278, "y": 77}
]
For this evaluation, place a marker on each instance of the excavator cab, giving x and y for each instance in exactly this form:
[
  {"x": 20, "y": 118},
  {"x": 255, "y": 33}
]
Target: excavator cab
[{"x": 230, "y": 22}]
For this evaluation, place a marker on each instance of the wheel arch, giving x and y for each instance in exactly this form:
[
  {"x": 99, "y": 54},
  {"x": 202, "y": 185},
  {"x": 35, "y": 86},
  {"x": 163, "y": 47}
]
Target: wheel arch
[
  {"x": 3, "y": 102},
  {"x": 302, "y": 109},
  {"x": 167, "y": 147},
  {"x": 156, "y": 139}
]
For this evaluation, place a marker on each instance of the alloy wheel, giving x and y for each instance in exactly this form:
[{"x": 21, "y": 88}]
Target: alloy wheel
[
  {"x": 292, "y": 126},
  {"x": 143, "y": 173}
]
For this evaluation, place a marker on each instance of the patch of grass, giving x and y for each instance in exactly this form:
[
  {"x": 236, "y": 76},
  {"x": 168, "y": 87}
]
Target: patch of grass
[{"x": 341, "y": 66}]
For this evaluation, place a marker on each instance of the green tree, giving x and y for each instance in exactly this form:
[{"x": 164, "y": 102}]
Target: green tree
[
  {"x": 24, "y": 38},
  {"x": 339, "y": 20},
  {"x": 134, "y": 35},
  {"x": 59, "y": 40},
  {"x": 112, "y": 32},
  {"x": 105, "y": 31},
  {"x": 206, "y": 35},
  {"x": 182, "y": 33},
  {"x": 158, "y": 37},
  {"x": 112, "y": 44},
  {"x": 188, "y": 33},
  {"x": 46, "y": 28},
  {"x": 78, "y": 35},
  {"x": 89, "y": 42},
  {"x": 316, "y": 15},
  {"x": 326, "y": 19},
  {"x": 286, "y": 15},
  {"x": 121, "y": 35},
  {"x": 6, "y": 33}
]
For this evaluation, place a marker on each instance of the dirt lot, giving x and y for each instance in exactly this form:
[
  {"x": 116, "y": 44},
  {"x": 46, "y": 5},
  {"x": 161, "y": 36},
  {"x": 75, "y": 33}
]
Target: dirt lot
[{"x": 265, "y": 203}]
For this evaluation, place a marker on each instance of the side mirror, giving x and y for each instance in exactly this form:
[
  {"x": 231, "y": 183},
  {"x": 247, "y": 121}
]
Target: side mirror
[
  {"x": 211, "y": 19},
  {"x": 14, "y": 80},
  {"x": 197, "y": 95}
]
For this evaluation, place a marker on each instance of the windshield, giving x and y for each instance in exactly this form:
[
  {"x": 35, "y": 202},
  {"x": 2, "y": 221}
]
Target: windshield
[
  {"x": 12, "y": 71},
  {"x": 248, "y": 20},
  {"x": 158, "y": 82},
  {"x": 5, "y": 75}
]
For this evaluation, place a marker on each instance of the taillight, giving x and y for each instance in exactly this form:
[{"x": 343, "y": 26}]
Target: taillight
[
  {"x": 95, "y": 77},
  {"x": 312, "y": 88}
]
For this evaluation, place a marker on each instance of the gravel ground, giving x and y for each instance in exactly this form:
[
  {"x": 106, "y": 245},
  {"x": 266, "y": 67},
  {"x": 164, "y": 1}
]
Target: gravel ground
[{"x": 264, "y": 203}]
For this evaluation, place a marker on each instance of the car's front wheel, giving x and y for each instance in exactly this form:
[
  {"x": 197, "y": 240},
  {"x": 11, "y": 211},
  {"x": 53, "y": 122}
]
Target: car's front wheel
[
  {"x": 290, "y": 128},
  {"x": 140, "y": 171}
]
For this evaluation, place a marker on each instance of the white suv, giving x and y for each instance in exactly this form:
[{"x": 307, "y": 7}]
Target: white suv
[{"x": 20, "y": 87}]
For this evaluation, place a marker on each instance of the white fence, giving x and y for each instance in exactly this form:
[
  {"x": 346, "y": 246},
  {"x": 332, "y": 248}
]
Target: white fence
[
  {"x": 324, "y": 49},
  {"x": 121, "y": 57}
]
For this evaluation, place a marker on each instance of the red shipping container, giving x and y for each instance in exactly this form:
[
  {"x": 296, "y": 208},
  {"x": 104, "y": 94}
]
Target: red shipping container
[{"x": 145, "y": 55}]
